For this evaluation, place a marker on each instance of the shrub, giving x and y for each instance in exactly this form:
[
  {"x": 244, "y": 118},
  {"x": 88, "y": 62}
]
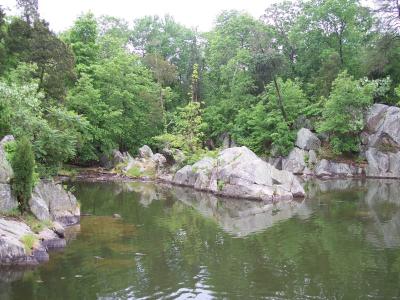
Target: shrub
[{"x": 23, "y": 164}]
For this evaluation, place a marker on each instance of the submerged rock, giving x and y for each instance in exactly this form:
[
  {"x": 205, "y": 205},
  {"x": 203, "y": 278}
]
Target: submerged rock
[{"x": 238, "y": 172}]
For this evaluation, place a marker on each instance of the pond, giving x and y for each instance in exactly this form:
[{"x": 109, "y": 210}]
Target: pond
[{"x": 342, "y": 242}]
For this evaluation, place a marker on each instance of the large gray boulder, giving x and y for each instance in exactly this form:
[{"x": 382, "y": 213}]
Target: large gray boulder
[
  {"x": 7, "y": 201},
  {"x": 381, "y": 164},
  {"x": 307, "y": 140},
  {"x": 295, "y": 162},
  {"x": 51, "y": 202},
  {"x": 12, "y": 249},
  {"x": 383, "y": 126},
  {"x": 381, "y": 141},
  {"x": 145, "y": 152},
  {"x": 6, "y": 172},
  {"x": 238, "y": 172},
  {"x": 326, "y": 168},
  {"x": 120, "y": 158}
]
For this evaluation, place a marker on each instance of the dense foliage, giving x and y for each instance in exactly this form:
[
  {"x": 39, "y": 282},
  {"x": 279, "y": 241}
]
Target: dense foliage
[
  {"x": 23, "y": 164},
  {"x": 103, "y": 84}
]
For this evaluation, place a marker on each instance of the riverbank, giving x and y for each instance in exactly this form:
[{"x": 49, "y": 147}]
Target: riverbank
[{"x": 26, "y": 239}]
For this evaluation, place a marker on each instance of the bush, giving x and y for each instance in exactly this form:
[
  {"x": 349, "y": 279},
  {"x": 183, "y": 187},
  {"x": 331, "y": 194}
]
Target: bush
[
  {"x": 343, "y": 113},
  {"x": 23, "y": 164}
]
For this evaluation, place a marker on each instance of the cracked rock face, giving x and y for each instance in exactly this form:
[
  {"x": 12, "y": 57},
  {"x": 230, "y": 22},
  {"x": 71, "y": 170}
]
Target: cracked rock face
[
  {"x": 51, "y": 202},
  {"x": 238, "y": 172},
  {"x": 6, "y": 172},
  {"x": 381, "y": 141},
  {"x": 307, "y": 140}
]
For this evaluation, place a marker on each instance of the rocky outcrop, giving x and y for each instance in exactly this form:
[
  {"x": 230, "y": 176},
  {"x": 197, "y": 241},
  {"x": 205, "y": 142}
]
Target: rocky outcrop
[
  {"x": 307, "y": 140},
  {"x": 51, "y": 202},
  {"x": 19, "y": 245},
  {"x": 238, "y": 172},
  {"x": 7, "y": 200},
  {"x": 326, "y": 168},
  {"x": 120, "y": 158},
  {"x": 147, "y": 165},
  {"x": 6, "y": 172},
  {"x": 295, "y": 162},
  {"x": 303, "y": 160},
  {"x": 145, "y": 152},
  {"x": 173, "y": 156},
  {"x": 381, "y": 141}
]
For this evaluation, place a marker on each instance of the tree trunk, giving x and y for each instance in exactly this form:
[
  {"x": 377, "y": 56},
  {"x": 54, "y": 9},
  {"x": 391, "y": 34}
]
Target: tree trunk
[{"x": 280, "y": 100}]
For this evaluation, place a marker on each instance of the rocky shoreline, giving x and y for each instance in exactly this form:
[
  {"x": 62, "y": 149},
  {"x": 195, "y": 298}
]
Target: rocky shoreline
[
  {"x": 26, "y": 240},
  {"x": 379, "y": 154}
]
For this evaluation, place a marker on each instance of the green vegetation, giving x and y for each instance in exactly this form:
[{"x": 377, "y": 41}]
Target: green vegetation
[
  {"x": 36, "y": 225},
  {"x": 29, "y": 241},
  {"x": 103, "y": 84},
  {"x": 23, "y": 164},
  {"x": 134, "y": 172}
]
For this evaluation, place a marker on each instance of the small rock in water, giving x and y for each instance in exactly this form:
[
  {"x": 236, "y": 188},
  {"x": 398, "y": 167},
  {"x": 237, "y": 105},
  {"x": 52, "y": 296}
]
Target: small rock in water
[
  {"x": 98, "y": 257},
  {"x": 139, "y": 254},
  {"x": 117, "y": 216},
  {"x": 39, "y": 281},
  {"x": 78, "y": 276},
  {"x": 62, "y": 278}
]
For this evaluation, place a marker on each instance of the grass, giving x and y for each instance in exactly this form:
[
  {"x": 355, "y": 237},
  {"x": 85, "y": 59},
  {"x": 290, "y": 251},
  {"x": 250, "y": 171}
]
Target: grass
[
  {"x": 67, "y": 171},
  {"x": 14, "y": 213},
  {"x": 119, "y": 167},
  {"x": 29, "y": 240},
  {"x": 36, "y": 225},
  {"x": 134, "y": 172}
]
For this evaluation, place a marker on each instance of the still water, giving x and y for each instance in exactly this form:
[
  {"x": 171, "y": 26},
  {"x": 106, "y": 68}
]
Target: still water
[{"x": 342, "y": 242}]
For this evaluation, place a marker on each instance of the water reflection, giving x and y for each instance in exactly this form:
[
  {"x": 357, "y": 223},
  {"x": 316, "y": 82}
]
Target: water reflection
[
  {"x": 241, "y": 217},
  {"x": 342, "y": 242}
]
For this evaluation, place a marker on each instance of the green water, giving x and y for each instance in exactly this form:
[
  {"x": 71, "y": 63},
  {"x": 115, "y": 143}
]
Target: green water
[{"x": 343, "y": 242}]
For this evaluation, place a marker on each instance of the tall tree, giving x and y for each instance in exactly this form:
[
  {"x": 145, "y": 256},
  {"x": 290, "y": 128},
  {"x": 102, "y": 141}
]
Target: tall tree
[{"x": 30, "y": 10}]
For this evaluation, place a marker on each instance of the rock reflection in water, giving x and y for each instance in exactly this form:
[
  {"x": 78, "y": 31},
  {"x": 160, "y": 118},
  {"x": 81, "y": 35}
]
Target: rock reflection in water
[
  {"x": 377, "y": 203},
  {"x": 241, "y": 217},
  {"x": 236, "y": 216}
]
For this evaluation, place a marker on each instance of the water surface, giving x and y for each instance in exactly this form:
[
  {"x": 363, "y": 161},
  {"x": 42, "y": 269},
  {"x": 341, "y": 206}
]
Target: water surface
[{"x": 342, "y": 242}]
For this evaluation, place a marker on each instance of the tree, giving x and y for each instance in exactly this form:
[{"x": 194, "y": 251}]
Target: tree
[
  {"x": 82, "y": 38},
  {"x": 104, "y": 124},
  {"x": 54, "y": 131},
  {"x": 282, "y": 18},
  {"x": 176, "y": 44},
  {"x": 326, "y": 28},
  {"x": 268, "y": 125},
  {"x": 343, "y": 113},
  {"x": 30, "y": 10},
  {"x": 389, "y": 13},
  {"x": 23, "y": 164},
  {"x": 36, "y": 43},
  {"x": 126, "y": 85}
]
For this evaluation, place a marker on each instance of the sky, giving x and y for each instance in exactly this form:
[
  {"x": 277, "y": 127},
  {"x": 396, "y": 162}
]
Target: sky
[{"x": 198, "y": 14}]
